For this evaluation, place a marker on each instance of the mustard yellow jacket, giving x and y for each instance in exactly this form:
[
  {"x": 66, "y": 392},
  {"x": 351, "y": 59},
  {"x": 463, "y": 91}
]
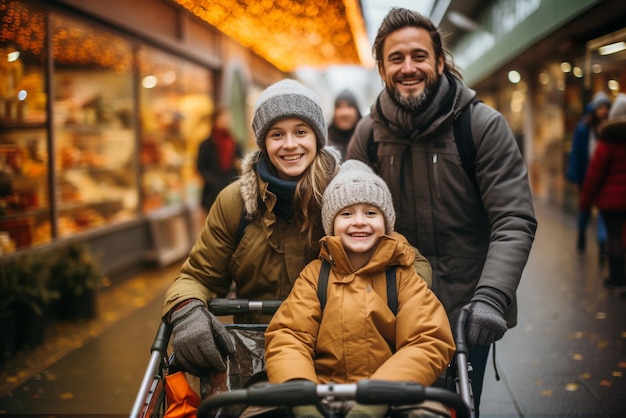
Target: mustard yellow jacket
[{"x": 357, "y": 336}]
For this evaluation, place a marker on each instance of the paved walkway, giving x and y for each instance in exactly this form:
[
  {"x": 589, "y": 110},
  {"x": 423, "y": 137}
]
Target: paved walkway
[{"x": 567, "y": 356}]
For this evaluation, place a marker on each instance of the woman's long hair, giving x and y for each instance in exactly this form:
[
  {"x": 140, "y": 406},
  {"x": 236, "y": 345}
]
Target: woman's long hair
[{"x": 310, "y": 189}]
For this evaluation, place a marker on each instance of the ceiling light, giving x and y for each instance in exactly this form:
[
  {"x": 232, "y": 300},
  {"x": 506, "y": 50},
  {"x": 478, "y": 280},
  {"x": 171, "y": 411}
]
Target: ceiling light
[
  {"x": 291, "y": 34},
  {"x": 612, "y": 48},
  {"x": 462, "y": 21},
  {"x": 13, "y": 56},
  {"x": 578, "y": 72},
  {"x": 514, "y": 76}
]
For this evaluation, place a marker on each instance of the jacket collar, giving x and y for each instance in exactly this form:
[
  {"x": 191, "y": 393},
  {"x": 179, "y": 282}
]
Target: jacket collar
[
  {"x": 403, "y": 126},
  {"x": 390, "y": 251}
]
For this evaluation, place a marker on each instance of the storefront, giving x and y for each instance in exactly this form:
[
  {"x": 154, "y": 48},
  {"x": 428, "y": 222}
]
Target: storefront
[
  {"x": 540, "y": 63},
  {"x": 102, "y": 109}
]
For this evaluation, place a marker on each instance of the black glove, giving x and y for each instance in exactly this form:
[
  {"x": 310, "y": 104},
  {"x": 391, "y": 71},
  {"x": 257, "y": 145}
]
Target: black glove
[
  {"x": 199, "y": 339},
  {"x": 485, "y": 322}
]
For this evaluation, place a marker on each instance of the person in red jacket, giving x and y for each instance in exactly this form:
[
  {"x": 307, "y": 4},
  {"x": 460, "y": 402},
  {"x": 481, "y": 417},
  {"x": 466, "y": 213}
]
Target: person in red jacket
[{"x": 605, "y": 186}]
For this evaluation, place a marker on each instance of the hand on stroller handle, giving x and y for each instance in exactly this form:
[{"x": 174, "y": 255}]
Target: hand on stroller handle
[{"x": 303, "y": 392}]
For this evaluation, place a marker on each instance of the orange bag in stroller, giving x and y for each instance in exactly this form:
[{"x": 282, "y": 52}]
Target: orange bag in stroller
[{"x": 182, "y": 400}]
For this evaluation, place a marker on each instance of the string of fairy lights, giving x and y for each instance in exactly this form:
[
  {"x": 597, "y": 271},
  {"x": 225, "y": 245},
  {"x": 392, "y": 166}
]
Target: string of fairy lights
[
  {"x": 287, "y": 33},
  {"x": 291, "y": 33}
]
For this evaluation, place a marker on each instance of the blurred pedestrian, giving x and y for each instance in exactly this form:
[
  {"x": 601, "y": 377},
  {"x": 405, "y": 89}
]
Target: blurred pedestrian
[
  {"x": 583, "y": 145},
  {"x": 476, "y": 227},
  {"x": 218, "y": 158},
  {"x": 605, "y": 187},
  {"x": 346, "y": 115},
  {"x": 350, "y": 332}
]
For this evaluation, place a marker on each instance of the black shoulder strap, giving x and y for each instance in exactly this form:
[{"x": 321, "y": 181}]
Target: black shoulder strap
[
  {"x": 372, "y": 148},
  {"x": 392, "y": 291},
  {"x": 322, "y": 284},
  {"x": 465, "y": 142}
]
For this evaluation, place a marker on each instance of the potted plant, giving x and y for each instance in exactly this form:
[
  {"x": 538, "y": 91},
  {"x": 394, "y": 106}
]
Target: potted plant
[
  {"x": 26, "y": 280},
  {"x": 77, "y": 276},
  {"x": 8, "y": 330}
]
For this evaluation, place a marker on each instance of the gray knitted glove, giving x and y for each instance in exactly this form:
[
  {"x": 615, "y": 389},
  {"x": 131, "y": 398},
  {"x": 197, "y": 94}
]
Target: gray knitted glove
[
  {"x": 485, "y": 323},
  {"x": 368, "y": 411},
  {"x": 199, "y": 339}
]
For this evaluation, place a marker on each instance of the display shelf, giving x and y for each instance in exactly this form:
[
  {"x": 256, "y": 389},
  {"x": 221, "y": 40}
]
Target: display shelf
[
  {"x": 169, "y": 228},
  {"x": 20, "y": 126}
]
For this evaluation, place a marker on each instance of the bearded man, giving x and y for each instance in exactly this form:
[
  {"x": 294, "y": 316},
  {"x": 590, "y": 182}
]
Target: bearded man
[{"x": 476, "y": 233}]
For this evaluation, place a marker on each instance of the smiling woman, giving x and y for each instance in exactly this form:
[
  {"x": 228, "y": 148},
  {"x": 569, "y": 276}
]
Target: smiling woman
[{"x": 291, "y": 147}]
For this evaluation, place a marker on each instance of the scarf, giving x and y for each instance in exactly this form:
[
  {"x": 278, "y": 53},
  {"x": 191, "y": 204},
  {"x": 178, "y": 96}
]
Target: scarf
[
  {"x": 407, "y": 123},
  {"x": 283, "y": 189},
  {"x": 226, "y": 147}
]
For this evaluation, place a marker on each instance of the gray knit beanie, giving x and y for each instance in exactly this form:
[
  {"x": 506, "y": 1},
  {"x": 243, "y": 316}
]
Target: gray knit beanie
[
  {"x": 285, "y": 99},
  {"x": 356, "y": 183}
]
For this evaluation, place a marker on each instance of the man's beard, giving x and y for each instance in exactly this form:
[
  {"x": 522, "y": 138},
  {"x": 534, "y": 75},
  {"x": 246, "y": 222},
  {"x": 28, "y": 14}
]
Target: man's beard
[{"x": 413, "y": 103}]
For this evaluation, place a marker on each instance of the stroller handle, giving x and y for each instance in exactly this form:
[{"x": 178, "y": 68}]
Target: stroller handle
[
  {"x": 228, "y": 306},
  {"x": 303, "y": 392},
  {"x": 162, "y": 338},
  {"x": 460, "y": 341}
]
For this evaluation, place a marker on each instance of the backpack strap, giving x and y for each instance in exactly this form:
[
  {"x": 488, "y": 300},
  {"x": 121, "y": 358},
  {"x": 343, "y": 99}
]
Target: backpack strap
[
  {"x": 322, "y": 283},
  {"x": 465, "y": 142},
  {"x": 392, "y": 291}
]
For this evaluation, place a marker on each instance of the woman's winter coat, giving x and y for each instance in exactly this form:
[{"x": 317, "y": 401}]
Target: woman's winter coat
[
  {"x": 605, "y": 183},
  {"x": 357, "y": 336},
  {"x": 264, "y": 262}
]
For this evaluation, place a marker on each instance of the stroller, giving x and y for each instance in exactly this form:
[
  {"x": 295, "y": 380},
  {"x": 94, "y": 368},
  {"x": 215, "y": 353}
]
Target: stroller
[{"x": 220, "y": 399}]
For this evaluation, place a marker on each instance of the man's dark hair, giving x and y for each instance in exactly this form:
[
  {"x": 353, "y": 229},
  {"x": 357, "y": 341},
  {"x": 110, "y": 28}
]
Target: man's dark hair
[{"x": 399, "y": 18}]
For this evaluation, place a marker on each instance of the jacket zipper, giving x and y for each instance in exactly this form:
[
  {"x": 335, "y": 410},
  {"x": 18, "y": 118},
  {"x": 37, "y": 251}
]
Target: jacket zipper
[{"x": 436, "y": 175}]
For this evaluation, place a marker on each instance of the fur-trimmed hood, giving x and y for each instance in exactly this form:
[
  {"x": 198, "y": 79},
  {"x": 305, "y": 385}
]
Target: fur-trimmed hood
[{"x": 250, "y": 182}]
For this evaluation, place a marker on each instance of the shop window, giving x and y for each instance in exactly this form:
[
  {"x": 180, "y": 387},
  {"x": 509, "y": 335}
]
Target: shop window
[
  {"x": 93, "y": 127},
  {"x": 175, "y": 108},
  {"x": 24, "y": 201},
  {"x": 605, "y": 64}
]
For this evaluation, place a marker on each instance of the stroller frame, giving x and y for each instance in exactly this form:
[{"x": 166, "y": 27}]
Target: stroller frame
[{"x": 150, "y": 400}]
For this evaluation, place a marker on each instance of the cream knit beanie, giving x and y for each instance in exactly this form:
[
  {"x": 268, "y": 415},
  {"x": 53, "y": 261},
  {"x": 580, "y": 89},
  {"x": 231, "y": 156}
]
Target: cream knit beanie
[
  {"x": 356, "y": 183},
  {"x": 286, "y": 99}
]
